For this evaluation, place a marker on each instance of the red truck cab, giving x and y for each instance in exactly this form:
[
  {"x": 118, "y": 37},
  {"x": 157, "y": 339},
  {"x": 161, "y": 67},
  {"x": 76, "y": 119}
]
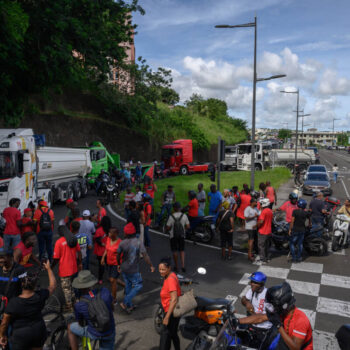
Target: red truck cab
[{"x": 178, "y": 158}]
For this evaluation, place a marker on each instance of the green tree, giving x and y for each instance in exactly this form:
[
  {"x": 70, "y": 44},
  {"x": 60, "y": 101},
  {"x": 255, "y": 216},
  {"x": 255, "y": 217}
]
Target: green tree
[
  {"x": 342, "y": 139},
  {"x": 284, "y": 134}
]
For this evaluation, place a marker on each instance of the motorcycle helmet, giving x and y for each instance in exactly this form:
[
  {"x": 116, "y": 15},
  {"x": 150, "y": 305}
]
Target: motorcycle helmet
[
  {"x": 281, "y": 297},
  {"x": 302, "y": 203},
  {"x": 293, "y": 195},
  {"x": 255, "y": 194},
  {"x": 258, "y": 277},
  {"x": 264, "y": 202},
  {"x": 192, "y": 194},
  {"x": 146, "y": 197}
]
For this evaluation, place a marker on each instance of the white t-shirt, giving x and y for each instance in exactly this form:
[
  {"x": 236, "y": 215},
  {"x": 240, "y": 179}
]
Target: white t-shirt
[
  {"x": 87, "y": 227},
  {"x": 248, "y": 213},
  {"x": 201, "y": 196},
  {"x": 335, "y": 169},
  {"x": 138, "y": 196},
  {"x": 258, "y": 302},
  {"x": 184, "y": 221}
]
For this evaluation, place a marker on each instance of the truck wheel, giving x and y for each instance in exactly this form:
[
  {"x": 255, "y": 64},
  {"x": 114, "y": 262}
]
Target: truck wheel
[
  {"x": 70, "y": 191},
  {"x": 258, "y": 167},
  {"x": 77, "y": 191},
  {"x": 290, "y": 166},
  {"x": 184, "y": 170},
  {"x": 84, "y": 189}
]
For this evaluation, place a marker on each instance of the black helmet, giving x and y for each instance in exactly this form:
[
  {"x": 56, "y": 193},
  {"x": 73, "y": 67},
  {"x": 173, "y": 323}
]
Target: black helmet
[
  {"x": 192, "y": 194},
  {"x": 293, "y": 195},
  {"x": 255, "y": 194},
  {"x": 281, "y": 297}
]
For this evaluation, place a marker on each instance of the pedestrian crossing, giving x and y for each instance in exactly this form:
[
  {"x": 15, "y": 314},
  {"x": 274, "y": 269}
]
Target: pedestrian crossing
[{"x": 324, "y": 297}]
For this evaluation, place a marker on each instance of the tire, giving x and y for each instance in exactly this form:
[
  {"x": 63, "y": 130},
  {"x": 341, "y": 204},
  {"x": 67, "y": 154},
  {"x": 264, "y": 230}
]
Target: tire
[
  {"x": 77, "y": 191},
  {"x": 257, "y": 167},
  {"x": 84, "y": 189},
  {"x": 158, "y": 316},
  {"x": 184, "y": 170},
  {"x": 335, "y": 243},
  {"x": 290, "y": 166},
  {"x": 59, "y": 338},
  {"x": 209, "y": 235},
  {"x": 70, "y": 191}
]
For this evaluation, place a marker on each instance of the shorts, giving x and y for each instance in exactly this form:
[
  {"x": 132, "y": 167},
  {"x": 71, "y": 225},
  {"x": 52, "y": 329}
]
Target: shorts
[
  {"x": 252, "y": 234},
  {"x": 226, "y": 238},
  {"x": 112, "y": 271},
  {"x": 33, "y": 336},
  {"x": 177, "y": 244}
]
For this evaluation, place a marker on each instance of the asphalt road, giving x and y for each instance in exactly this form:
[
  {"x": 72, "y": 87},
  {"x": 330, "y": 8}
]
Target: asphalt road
[{"x": 321, "y": 284}]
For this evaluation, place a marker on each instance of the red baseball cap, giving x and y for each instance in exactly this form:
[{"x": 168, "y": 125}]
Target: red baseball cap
[
  {"x": 69, "y": 201},
  {"x": 129, "y": 229},
  {"x": 27, "y": 210},
  {"x": 43, "y": 204}
]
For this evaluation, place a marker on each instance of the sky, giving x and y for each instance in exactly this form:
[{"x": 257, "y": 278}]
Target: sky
[{"x": 308, "y": 40}]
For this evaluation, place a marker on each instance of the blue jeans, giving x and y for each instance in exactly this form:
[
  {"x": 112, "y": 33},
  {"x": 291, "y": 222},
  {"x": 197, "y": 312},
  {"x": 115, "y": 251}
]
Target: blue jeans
[
  {"x": 45, "y": 244},
  {"x": 296, "y": 239},
  {"x": 105, "y": 343},
  {"x": 165, "y": 207},
  {"x": 335, "y": 177},
  {"x": 133, "y": 284},
  {"x": 10, "y": 241}
]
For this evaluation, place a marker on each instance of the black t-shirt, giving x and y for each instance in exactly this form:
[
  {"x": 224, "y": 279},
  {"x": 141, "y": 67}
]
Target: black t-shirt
[
  {"x": 26, "y": 312},
  {"x": 300, "y": 217},
  {"x": 134, "y": 217},
  {"x": 225, "y": 223},
  {"x": 317, "y": 206},
  {"x": 15, "y": 287}
]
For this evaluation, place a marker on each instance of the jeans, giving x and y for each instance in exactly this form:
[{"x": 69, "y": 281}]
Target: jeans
[
  {"x": 85, "y": 263},
  {"x": 296, "y": 239},
  {"x": 127, "y": 213},
  {"x": 10, "y": 241},
  {"x": 45, "y": 244},
  {"x": 105, "y": 343},
  {"x": 165, "y": 207},
  {"x": 335, "y": 177},
  {"x": 264, "y": 243},
  {"x": 133, "y": 284}
]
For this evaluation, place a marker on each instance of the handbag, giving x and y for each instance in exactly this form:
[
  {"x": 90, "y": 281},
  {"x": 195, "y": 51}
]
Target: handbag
[{"x": 185, "y": 303}]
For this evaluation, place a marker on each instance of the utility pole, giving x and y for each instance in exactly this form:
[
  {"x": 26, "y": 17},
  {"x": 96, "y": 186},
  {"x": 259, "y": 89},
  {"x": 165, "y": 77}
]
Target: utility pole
[
  {"x": 333, "y": 136},
  {"x": 218, "y": 163}
]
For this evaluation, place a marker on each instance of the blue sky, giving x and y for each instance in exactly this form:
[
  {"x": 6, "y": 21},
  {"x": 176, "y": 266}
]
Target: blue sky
[{"x": 308, "y": 40}]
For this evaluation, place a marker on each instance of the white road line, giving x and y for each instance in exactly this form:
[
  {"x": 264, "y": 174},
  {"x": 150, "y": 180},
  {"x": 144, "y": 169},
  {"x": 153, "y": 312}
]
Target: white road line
[
  {"x": 244, "y": 291},
  {"x": 329, "y": 163},
  {"x": 335, "y": 281},
  {"x": 308, "y": 267},
  {"x": 311, "y": 315},
  {"x": 245, "y": 279},
  {"x": 333, "y": 307},
  {"x": 345, "y": 189},
  {"x": 165, "y": 235},
  {"x": 324, "y": 341},
  {"x": 306, "y": 288},
  {"x": 276, "y": 272}
]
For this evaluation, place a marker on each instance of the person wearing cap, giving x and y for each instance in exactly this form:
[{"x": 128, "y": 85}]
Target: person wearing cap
[
  {"x": 87, "y": 227},
  {"x": 27, "y": 223},
  {"x": 12, "y": 232},
  {"x": 70, "y": 204},
  {"x": 129, "y": 252},
  {"x": 23, "y": 252},
  {"x": 264, "y": 230},
  {"x": 44, "y": 236},
  {"x": 177, "y": 244},
  {"x": 84, "y": 326}
]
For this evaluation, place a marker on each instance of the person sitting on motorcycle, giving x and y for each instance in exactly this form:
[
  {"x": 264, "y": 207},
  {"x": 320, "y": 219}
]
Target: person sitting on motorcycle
[
  {"x": 289, "y": 206},
  {"x": 254, "y": 302},
  {"x": 294, "y": 328},
  {"x": 318, "y": 210},
  {"x": 103, "y": 176},
  {"x": 192, "y": 210},
  {"x": 345, "y": 209},
  {"x": 297, "y": 230}
]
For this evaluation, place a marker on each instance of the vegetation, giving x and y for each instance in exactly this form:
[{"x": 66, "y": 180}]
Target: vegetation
[
  {"x": 343, "y": 139},
  {"x": 284, "y": 134}
]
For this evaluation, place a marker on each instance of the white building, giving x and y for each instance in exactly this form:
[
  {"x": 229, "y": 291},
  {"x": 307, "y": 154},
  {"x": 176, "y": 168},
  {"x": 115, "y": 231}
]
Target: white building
[{"x": 315, "y": 137}]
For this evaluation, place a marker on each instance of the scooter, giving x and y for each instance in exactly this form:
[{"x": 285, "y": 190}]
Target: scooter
[
  {"x": 340, "y": 231},
  {"x": 204, "y": 231}
]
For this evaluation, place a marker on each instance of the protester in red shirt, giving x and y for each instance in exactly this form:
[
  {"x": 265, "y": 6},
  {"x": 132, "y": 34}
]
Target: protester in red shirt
[
  {"x": 289, "y": 206},
  {"x": 23, "y": 252},
  {"x": 65, "y": 255},
  {"x": 169, "y": 295},
  {"x": 150, "y": 188},
  {"x": 264, "y": 230},
  {"x": 27, "y": 223},
  {"x": 292, "y": 323},
  {"x": 12, "y": 232},
  {"x": 147, "y": 208},
  {"x": 45, "y": 234},
  {"x": 76, "y": 217},
  {"x": 245, "y": 198},
  {"x": 110, "y": 253},
  {"x": 271, "y": 194},
  {"x": 101, "y": 212},
  {"x": 100, "y": 240}
]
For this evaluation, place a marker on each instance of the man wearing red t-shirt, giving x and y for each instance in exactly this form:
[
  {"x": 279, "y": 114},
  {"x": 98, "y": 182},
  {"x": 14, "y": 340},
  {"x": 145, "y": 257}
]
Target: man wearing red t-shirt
[
  {"x": 289, "y": 206},
  {"x": 292, "y": 323},
  {"x": 147, "y": 208},
  {"x": 12, "y": 232},
  {"x": 264, "y": 229},
  {"x": 23, "y": 252},
  {"x": 66, "y": 255}
]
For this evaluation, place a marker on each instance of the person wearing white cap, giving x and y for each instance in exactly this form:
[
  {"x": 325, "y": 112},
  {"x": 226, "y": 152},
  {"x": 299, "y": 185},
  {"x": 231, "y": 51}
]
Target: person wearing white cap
[{"x": 87, "y": 227}]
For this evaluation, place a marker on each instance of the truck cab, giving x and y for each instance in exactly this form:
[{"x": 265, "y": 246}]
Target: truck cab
[
  {"x": 244, "y": 151},
  {"x": 230, "y": 161}
]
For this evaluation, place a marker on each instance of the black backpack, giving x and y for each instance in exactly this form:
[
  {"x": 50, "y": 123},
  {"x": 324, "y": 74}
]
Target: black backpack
[
  {"x": 98, "y": 312},
  {"x": 179, "y": 230},
  {"x": 45, "y": 221}
]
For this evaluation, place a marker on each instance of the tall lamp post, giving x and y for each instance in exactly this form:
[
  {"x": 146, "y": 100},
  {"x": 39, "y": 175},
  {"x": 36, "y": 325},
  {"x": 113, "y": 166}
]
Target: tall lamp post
[
  {"x": 333, "y": 128},
  {"x": 255, "y": 80},
  {"x": 296, "y": 126}
]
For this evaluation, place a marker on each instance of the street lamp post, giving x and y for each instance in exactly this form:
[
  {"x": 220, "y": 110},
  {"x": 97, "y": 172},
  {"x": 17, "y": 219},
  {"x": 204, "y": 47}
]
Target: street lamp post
[{"x": 255, "y": 80}]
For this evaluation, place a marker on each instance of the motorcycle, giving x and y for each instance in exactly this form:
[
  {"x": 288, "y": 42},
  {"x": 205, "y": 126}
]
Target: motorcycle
[
  {"x": 340, "y": 231},
  {"x": 332, "y": 204},
  {"x": 109, "y": 190},
  {"x": 204, "y": 231}
]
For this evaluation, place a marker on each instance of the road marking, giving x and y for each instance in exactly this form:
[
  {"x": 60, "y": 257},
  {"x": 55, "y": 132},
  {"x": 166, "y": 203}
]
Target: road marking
[
  {"x": 333, "y": 307},
  {"x": 276, "y": 272},
  {"x": 335, "y": 281},
  {"x": 165, "y": 235},
  {"x": 244, "y": 291},
  {"x": 306, "y": 288},
  {"x": 307, "y": 267},
  {"x": 245, "y": 279},
  {"x": 324, "y": 340},
  {"x": 311, "y": 315},
  {"x": 346, "y": 191}
]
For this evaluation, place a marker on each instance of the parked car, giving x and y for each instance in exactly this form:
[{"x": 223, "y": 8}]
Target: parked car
[
  {"x": 317, "y": 182},
  {"x": 341, "y": 147},
  {"x": 316, "y": 168}
]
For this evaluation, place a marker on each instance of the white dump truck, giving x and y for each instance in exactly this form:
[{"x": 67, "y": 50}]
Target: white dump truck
[
  {"x": 286, "y": 157},
  {"x": 30, "y": 171}
]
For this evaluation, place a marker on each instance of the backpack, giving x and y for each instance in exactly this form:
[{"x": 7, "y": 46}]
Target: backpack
[
  {"x": 45, "y": 221},
  {"x": 98, "y": 312},
  {"x": 179, "y": 230}
]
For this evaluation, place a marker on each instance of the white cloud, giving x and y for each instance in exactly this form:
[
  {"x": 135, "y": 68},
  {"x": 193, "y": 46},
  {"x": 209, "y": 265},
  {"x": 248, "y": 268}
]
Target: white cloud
[{"x": 332, "y": 84}]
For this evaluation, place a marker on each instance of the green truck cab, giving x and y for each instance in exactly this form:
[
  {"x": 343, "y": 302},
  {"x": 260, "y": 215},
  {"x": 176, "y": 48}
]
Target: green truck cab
[{"x": 101, "y": 159}]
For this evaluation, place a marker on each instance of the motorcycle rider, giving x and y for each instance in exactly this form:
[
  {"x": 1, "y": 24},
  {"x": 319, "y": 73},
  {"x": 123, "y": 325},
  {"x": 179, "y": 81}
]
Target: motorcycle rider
[
  {"x": 294, "y": 328},
  {"x": 254, "y": 302},
  {"x": 289, "y": 206},
  {"x": 345, "y": 209},
  {"x": 318, "y": 210},
  {"x": 103, "y": 176}
]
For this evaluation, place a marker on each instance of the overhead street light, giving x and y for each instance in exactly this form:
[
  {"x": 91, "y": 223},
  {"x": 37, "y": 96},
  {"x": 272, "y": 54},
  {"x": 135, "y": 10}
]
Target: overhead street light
[{"x": 255, "y": 80}]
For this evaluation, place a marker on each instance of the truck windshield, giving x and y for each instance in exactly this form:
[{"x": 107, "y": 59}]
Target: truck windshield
[
  {"x": 244, "y": 149},
  {"x": 7, "y": 165},
  {"x": 167, "y": 153}
]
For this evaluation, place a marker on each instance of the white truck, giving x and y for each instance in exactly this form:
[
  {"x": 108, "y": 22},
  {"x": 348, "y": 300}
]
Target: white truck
[
  {"x": 30, "y": 172},
  {"x": 286, "y": 157},
  {"x": 244, "y": 151}
]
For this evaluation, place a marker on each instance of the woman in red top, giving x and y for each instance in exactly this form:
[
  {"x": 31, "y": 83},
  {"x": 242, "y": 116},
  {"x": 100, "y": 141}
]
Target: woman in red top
[
  {"x": 245, "y": 202},
  {"x": 100, "y": 240},
  {"x": 23, "y": 252},
  {"x": 271, "y": 194},
  {"x": 169, "y": 295},
  {"x": 27, "y": 223},
  {"x": 192, "y": 208},
  {"x": 112, "y": 245}
]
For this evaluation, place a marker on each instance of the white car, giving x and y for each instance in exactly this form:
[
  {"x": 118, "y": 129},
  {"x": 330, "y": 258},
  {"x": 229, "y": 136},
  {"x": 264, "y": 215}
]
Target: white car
[{"x": 342, "y": 147}]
